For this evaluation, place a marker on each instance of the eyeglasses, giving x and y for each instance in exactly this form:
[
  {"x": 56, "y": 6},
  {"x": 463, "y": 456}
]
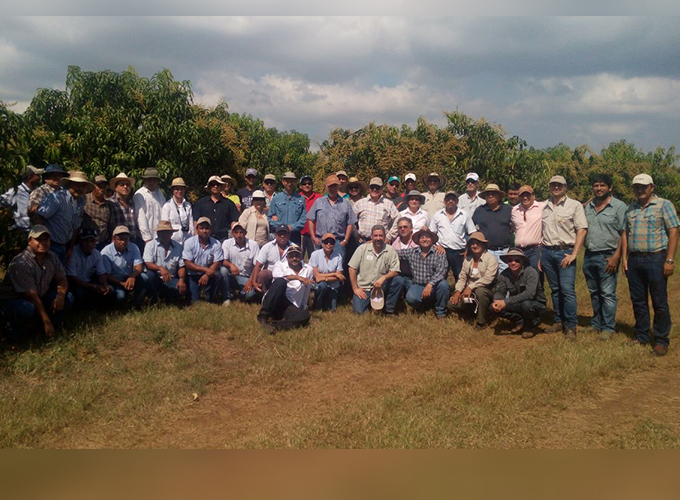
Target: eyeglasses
[
  {"x": 394, "y": 184},
  {"x": 375, "y": 188},
  {"x": 328, "y": 242}
]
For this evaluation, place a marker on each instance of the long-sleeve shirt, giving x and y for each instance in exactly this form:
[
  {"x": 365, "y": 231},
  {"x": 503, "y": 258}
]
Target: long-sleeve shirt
[
  {"x": 63, "y": 215},
  {"x": 433, "y": 202},
  {"x": 418, "y": 219},
  {"x": 524, "y": 287},
  {"x": 427, "y": 270},
  {"x": 288, "y": 209},
  {"x": 179, "y": 216},
  {"x": 17, "y": 199},
  {"x": 369, "y": 213},
  {"x": 484, "y": 275},
  {"x": 148, "y": 205},
  {"x": 124, "y": 215}
]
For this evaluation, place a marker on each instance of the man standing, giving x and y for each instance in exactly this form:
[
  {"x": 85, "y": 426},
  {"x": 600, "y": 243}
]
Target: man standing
[
  {"x": 288, "y": 207},
  {"x": 239, "y": 262},
  {"x": 246, "y": 193},
  {"x": 343, "y": 180},
  {"x": 494, "y": 220},
  {"x": 123, "y": 204},
  {"x": 374, "y": 265},
  {"x": 513, "y": 194},
  {"x": 178, "y": 211},
  {"x": 331, "y": 214},
  {"x": 124, "y": 267},
  {"x": 414, "y": 211},
  {"x": 52, "y": 176},
  {"x": 393, "y": 194},
  {"x": 269, "y": 185},
  {"x": 528, "y": 226},
  {"x": 221, "y": 211},
  {"x": 148, "y": 201},
  {"x": 452, "y": 226},
  {"x": 203, "y": 257},
  {"x": 649, "y": 245},
  {"x": 17, "y": 197},
  {"x": 376, "y": 209},
  {"x": 166, "y": 268},
  {"x": 564, "y": 227},
  {"x": 470, "y": 200},
  {"x": 98, "y": 212},
  {"x": 310, "y": 196},
  {"x": 87, "y": 274},
  {"x": 434, "y": 196},
  {"x": 606, "y": 222}
]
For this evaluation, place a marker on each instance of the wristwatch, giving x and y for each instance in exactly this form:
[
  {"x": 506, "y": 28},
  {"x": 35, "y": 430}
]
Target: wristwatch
[{"x": 669, "y": 261}]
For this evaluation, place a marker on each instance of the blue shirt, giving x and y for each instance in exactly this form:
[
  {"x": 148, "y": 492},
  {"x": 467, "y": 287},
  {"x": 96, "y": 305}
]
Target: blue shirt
[
  {"x": 204, "y": 257},
  {"x": 85, "y": 267},
  {"x": 605, "y": 226},
  {"x": 290, "y": 210},
  {"x": 318, "y": 259},
  {"x": 120, "y": 265},
  {"x": 63, "y": 215},
  {"x": 332, "y": 218},
  {"x": 155, "y": 253}
]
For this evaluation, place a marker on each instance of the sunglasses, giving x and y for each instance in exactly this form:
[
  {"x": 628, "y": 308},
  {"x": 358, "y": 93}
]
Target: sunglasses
[
  {"x": 328, "y": 242},
  {"x": 471, "y": 181},
  {"x": 394, "y": 184},
  {"x": 270, "y": 182},
  {"x": 213, "y": 184},
  {"x": 354, "y": 188},
  {"x": 514, "y": 259},
  {"x": 375, "y": 188},
  {"x": 305, "y": 184}
]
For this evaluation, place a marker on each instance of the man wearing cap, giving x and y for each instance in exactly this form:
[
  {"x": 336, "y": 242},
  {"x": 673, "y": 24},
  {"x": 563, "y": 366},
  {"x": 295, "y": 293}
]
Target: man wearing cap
[
  {"x": 374, "y": 265},
  {"x": 123, "y": 204},
  {"x": 62, "y": 213},
  {"x": 288, "y": 207},
  {"x": 203, "y": 258},
  {"x": 286, "y": 301},
  {"x": 269, "y": 184},
  {"x": 434, "y": 196},
  {"x": 528, "y": 227},
  {"x": 178, "y": 211},
  {"x": 428, "y": 283},
  {"x": 240, "y": 253},
  {"x": 376, "y": 209},
  {"x": 470, "y": 200},
  {"x": 331, "y": 214},
  {"x": 393, "y": 194},
  {"x": 310, "y": 196},
  {"x": 221, "y": 211},
  {"x": 34, "y": 293},
  {"x": 269, "y": 254},
  {"x": 649, "y": 244},
  {"x": 518, "y": 296},
  {"x": 494, "y": 219},
  {"x": 165, "y": 265},
  {"x": 343, "y": 180},
  {"x": 606, "y": 222},
  {"x": 149, "y": 201},
  {"x": 246, "y": 193},
  {"x": 98, "y": 212},
  {"x": 452, "y": 225},
  {"x": 52, "y": 176},
  {"x": 17, "y": 197},
  {"x": 328, "y": 274},
  {"x": 124, "y": 268},
  {"x": 87, "y": 274},
  {"x": 564, "y": 227},
  {"x": 414, "y": 211}
]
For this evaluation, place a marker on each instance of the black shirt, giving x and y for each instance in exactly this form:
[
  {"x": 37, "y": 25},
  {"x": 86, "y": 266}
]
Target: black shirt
[
  {"x": 495, "y": 224},
  {"x": 221, "y": 214}
]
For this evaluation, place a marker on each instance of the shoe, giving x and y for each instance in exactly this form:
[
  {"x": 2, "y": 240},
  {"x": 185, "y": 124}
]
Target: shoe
[
  {"x": 528, "y": 334},
  {"x": 605, "y": 336},
  {"x": 517, "y": 329},
  {"x": 440, "y": 317},
  {"x": 660, "y": 350},
  {"x": 555, "y": 327},
  {"x": 634, "y": 341},
  {"x": 227, "y": 302},
  {"x": 570, "y": 334},
  {"x": 477, "y": 326}
]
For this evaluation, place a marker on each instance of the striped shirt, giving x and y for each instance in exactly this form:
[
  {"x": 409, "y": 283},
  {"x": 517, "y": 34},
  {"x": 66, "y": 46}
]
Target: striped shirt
[
  {"x": 647, "y": 227},
  {"x": 332, "y": 218},
  {"x": 38, "y": 195},
  {"x": 369, "y": 213},
  {"x": 125, "y": 216}
]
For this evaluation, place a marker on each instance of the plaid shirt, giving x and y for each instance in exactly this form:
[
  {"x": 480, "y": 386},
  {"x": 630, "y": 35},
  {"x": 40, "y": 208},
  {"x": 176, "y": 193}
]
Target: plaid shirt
[
  {"x": 99, "y": 216},
  {"x": 430, "y": 269},
  {"x": 647, "y": 227},
  {"x": 369, "y": 213},
  {"x": 124, "y": 216},
  {"x": 38, "y": 195}
]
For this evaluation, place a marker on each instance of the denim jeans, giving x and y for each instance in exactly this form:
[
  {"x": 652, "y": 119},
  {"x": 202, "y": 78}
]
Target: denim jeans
[
  {"x": 562, "y": 285},
  {"x": 211, "y": 290},
  {"x": 645, "y": 278},
  {"x": 87, "y": 299},
  {"x": 440, "y": 297},
  {"x": 455, "y": 259},
  {"x": 166, "y": 290},
  {"x": 326, "y": 297},
  {"x": 602, "y": 288},
  {"x": 140, "y": 291},
  {"x": 502, "y": 266},
  {"x": 392, "y": 290},
  {"x": 237, "y": 282},
  {"x": 22, "y": 318}
]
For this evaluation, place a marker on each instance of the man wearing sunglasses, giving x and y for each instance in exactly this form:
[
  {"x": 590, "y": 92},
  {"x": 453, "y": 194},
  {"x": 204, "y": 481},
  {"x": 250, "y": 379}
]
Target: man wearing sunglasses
[
  {"x": 393, "y": 194},
  {"x": 470, "y": 200},
  {"x": 376, "y": 209},
  {"x": 288, "y": 207},
  {"x": 246, "y": 193}
]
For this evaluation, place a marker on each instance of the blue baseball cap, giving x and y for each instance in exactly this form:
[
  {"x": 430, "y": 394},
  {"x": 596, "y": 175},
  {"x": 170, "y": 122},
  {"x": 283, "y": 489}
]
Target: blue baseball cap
[
  {"x": 394, "y": 178},
  {"x": 54, "y": 168}
]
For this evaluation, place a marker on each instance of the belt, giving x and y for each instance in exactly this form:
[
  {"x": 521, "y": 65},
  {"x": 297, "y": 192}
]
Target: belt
[
  {"x": 529, "y": 247},
  {"x": 559, "y": 247},
  {"x": 645, "y": 254},
  {"x": 597, "y": 252},
  {"x": 496, "y": 249}
]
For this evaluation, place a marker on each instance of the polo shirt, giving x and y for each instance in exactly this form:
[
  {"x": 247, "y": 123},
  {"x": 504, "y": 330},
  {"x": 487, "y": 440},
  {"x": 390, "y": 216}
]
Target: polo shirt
[
  {"x": 605, "y": 226},
  {"x": 172, "y": 260},
  {"x": 327, "y": 265},
  {"x": 200, "y": 255},
  {"x": 120, "y": 265},
  {"x": 495, "y": 224},
  {"x": 25, "y": 274},
  {"x": 242, "y": 257},
  {"x": 560, "y": 222},
  {"x": 528, "y": 224},
  {"x": 63, "y": 215},
  {"x": 269, "y": 254},
  {"x": 332, "y": 218},
  {"x": 296, "y": 291},
  {"x": 221, "y": 214},
  {"x": 85, "y": 267},
  {"x": 647, "y": 227},
  {"x": 452, "y": 233},
  {"x": 289, "y": 210},
  {"x": 371, "y": 266},
  {"x": 468, "y": 204}
]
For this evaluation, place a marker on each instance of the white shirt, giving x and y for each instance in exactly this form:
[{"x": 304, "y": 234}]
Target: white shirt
[
  {"x": 296, "y": 291},
  {"x": 465, "y": 203},
  {"x": 178, "y": 215},
  {"x": 419, "y": 219},
  {"x": 148, "y": 207},
  {"x": 454, "y": 233},
  {"x": 243, "y": 258},
  {"x": 269, "y": 254}
]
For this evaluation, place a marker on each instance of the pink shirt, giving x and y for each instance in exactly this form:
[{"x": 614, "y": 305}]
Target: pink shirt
[
  {"x": 528, "y": 224},
  {"x": 398, "y": 245}
]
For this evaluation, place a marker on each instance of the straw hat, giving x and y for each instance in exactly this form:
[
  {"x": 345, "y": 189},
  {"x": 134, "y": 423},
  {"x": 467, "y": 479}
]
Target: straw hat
[
  {"x": 150, "y": 173},
  {"x": 491, "y": 188},
  {"x": 424, "y": 231},
  {"x": 442, "y": 181},
  {"x": 178, "y": 182},
  {"x": 515, "y": 252},
  {"x": 165, "y": 225},
  {"x": 78, "y": 178},
  {"x": 479, "y": 236},
  {"x": 121, "y": 178},
  {"x": 353, "y": 181},
  {"x": 213, "y": 178}
]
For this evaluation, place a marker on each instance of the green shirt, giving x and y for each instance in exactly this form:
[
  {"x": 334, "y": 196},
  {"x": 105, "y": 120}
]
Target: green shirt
[
  {"x": 370, "y": 267},
  {"x": 605, "y": 226}
]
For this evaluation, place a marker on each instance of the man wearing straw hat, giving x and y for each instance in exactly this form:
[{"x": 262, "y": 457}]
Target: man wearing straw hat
[
  {"x": 62, "y": 213},
  {"x": 149, "y": 201},
  {"x": 124, "y": 204},
  {"x": 165, "y": 265},
  {"x": 494, "y": 219},
  {"x": 221, "y": 211},
  {"x": 434, "y": 196},
  {"x": 98, "y": 212},
  {"x": 518, "y": 296},
  {"x": 178, "y": 211}
]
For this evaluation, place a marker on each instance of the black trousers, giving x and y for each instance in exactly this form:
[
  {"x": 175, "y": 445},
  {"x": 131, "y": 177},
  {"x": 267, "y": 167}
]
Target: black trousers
[
  {"x": 276, "y": 306},
  {"x": 527, "y": 313},
  {"x": 455, "y": 259}
]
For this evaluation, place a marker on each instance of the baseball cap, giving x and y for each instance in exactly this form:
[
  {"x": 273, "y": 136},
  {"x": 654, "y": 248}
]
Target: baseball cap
[
  {"x": 38, "y": 230},
  {"x": 306, "y": 178},
  {"x": 293, "y": 249},
  {"x": 558, "y": 178},
  {"x": 269, "y": 177},
  {"x": 332, "y": 179},
  {"x": 258, "y": 194},
  {"x": 282, "y": 228},
  {"x": 451, "y": 194},
  {"x": 410, "y": 177},
  {"x": 526, "y": 189},
  {"x": 251, "y": 171},
  {"x": 205, "y": 220},
  {"x": 236, "y": 226},
  {"x": 643, "y": 179},
  {"x": 473, "y": 176},
  {"x": 289, "y": 175},
  {"x": 341, "y": 172},
  {"x": 98, "y": 179},
  {"x": 376, "y": 181},
  {"x": 120, "y": 230},
  {"x": 88, "y": 232}
]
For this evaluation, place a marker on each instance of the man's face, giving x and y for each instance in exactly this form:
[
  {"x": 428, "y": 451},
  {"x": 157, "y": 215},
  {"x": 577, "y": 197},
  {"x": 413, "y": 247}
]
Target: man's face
[
  {"x": 215, "y": 188},
  {"x": 33, "y": 180},
  {"x": 178, "y": 192},
  {"x": 294, "y": 259},
  {"x": 409, "y": 185},
  {"x": 527, "y": 199},
  {"x": 251, "y": 180},
  {"x": 414, "y": 203},
  {"x": 77, "y": 189},
  {"x": 99, "y": 190},
  {"x": 282, "y": 238},
  {"x": 557, "y": 189},
  {"x": 40, "y": 245},
  {"x": 393, "y": 188},
  {"x": 204, "y": 230},
  {"x": 343, "y": 179},
  {"x": 601, "y": 191},
  {"x": 513, "y": 196},
  {"x": 120, "y": 242},
  {"x": 164, "y": 237},
  {"x": 451, "y": 204},
  {"x": 476, "y": 247},
  {"x": 378, "y": 239},
  {"x": 405, "y": 230},
  {"x": 270, "y": 185},
  {"x": 306, "y": 186},
  {"x": 123, "y": 189},
  {"x": 376, "y": 191},
  {"x": 471, "y": 186},
  {"x": 53, "y": 179},
  {"x": 288, "y": 184},
  {"x": 227, "y": 186},
  {"x": 643, "y": 191},
  {"x": 239, "y": 236},
  {"x": 493, "y": 199},
  {"x": 332, "y": 189},
  {"x": 425, "y": 242},
  {"x": 433, "y": 184},
  {"x": 151, "y": 184},
  {"x": 87, "y": 245},
  {"x": 514, "y": 263}
]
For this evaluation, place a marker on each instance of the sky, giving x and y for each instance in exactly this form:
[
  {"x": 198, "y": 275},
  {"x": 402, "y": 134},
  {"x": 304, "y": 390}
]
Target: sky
[{"x": 582, "y": 80}]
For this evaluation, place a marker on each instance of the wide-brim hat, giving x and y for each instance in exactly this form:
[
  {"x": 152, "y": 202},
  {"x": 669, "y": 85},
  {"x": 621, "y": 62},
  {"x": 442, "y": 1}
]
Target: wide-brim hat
[
  {"x": 353, "y": 181},
  {"x": 491, "y": 188},
  {"x": 258, "y": 194},
  {"x": 418, "y": 234},
  {"x": 119, "y": 178},
  {"x": 515, "y": 252},
  {"x": 442, "y": 180},
  {"x": 178, "y": 182},
  {"x": 415, "y": 192},
  {"x": 78, "y": 178},
  {"x": 213, "y": 178},
  {"x": 54, "y": 168},
  {"x": 228, "y": 178},
  {"x": 479, "y": 236},
  {"x": 165, "y": 225},
  {"x": 150, "y": 173}
]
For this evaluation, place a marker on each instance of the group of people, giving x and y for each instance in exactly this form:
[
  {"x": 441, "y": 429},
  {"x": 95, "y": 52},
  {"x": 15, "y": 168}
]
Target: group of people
[{"x": 95, "y": 243}]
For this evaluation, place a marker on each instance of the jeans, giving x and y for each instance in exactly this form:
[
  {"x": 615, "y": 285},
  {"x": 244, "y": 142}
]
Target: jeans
[
  {"x": 502, "y": 266},
  {"x": 307, "y": 246},
  {"x": 237, "y": 282},
  {"x": 59, "y": 251},
  {"x": 527, "y": 313},
  {"x": 455, "y": 259},
  {"x": 645, "y": 277},
  {"x": 140, "y": 291},
  {"x": 210, "y": 291},
  {"x": 392, "y": 289},
  {"x": 326, "y": 297},
  {"x": 440, "y": 297},
  {"x": 166, "y": 290},
  {"x": 22, "y": 318},
  {"x": 602, "y": 288},
  {"x": 562, "y": 285}
]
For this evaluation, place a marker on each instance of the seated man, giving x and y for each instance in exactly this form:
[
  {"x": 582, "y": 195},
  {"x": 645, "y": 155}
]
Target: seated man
[
  {"x": 86, "y": 273},
  {"x": 34, "y": 294},
  {"x": 269, "y": 254},
  {"x": 203, "y": 257},
  {"x": 518, "y": 296},
  {"x": 123, "y": 264},
  {"x": 286, "y": 300},
  {"x": 428, "y": 282},
  {"x": 373, "y": 265},
  {"x": 327, "y": 266},
  {"x": 165, "y": 266},
  {"x": 239, "y": 261}
]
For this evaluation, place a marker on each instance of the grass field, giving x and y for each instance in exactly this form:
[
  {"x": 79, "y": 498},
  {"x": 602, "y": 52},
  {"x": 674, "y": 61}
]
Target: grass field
[{"x": 208, "y": 377}]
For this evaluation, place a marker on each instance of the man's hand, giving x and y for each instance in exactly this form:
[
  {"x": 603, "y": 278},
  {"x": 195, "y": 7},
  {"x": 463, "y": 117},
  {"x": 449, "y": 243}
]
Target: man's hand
[
  {"x": 625, "y": 266},
  {"x": 360, "y": 293},
  {"x": 165, "y": 275},
  {"x": 181, "y": 286},
  {"x": 567, "y": 260},
  {"x": 498, "y": 305},
  {"x": 317, "y": 241},
  {"x": 379, "y": 282},
  {"x": 306, "y": 281},
  {"x": 58, "y": 302},
  {"x": 612, "y": 264},
  {"x": 343, "y": 243},
  {"x": 340, "y": 276},
  {"x": 204, "y": 280},
  {"x": 69, "y": 252},
  {"x": 427, "y": 291},
  {"x": 129, "y": 284},
  {"x": 467, "y": 292},
  {"x": 248, "y": 286},
  {"x": 455, "y": 298},
  {"x": 275, "y": 218},
  {"x": 668, "y": 269},
  {"x": 233, "y": 269},
  {"x": 439, "y": 249},
  {"x": 49, "y": 328},
  {"x": 102, "y": 289}
]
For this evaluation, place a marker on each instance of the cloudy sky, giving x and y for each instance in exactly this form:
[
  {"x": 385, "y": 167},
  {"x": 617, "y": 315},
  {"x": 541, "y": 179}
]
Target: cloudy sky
[{"x": 548, "y": 80}]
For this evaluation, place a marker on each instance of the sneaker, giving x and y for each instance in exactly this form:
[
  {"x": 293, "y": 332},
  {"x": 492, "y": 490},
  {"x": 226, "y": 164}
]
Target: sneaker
[
  {"x": 517, "y": 329},
  {"x": 605, "y": 336},
  {"x": 570, "y": 334},
  {"x": 528, "y": 334},
  {"x": 634, "y": 341},
  {"x": 555, "y": 327},
  {"x": 660, "y": 350},
  {"x": 227, "y": 302}
]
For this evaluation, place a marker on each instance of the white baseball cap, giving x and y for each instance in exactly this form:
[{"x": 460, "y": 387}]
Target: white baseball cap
[
  {"x": 473, "y": 176},
  {"x": 410, "y": 177},
  {"x": 643, "y": 179}
]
